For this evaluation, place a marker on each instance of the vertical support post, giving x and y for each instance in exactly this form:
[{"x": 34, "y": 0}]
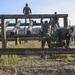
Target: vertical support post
[
  {"x": 16, "y": 39},
  {"x": 6, "y": 24},
  {"x": 25, "y": 33},
  {"x": 42, "y": 31},
  {"x": 65, "y": 21},
  {"x": 3, "y": 33},
  {"x": 24, "y": 30}
]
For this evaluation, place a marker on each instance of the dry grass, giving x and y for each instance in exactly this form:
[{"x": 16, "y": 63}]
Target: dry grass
[{"x": 35, "y": 65}]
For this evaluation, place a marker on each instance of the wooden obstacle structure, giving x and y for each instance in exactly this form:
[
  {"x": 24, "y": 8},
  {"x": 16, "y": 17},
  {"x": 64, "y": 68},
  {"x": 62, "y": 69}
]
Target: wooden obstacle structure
[{"x": 4, "y": 36}]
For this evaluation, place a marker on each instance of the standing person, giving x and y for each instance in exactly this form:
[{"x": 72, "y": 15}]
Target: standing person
[
  {"x": 55, "y": 23},
  {"x": 27, "y": 10},
  {"x": 45, "y": 33},
  {"x": 62, "y": 34}
]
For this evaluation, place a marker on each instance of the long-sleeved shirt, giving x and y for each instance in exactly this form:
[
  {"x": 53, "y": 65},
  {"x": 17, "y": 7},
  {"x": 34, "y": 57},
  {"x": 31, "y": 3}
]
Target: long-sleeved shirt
[{"x": 26, "y": 10}]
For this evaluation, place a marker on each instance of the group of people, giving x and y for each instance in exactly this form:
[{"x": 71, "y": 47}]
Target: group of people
[{"x": 58, "y": 34}]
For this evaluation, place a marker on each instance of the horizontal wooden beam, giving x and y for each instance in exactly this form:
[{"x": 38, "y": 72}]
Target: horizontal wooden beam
[
  {"x": 23, "y": 24},
  {"x": 36, "y": 51},
  {"x": 6, "y": 16},
  {"x": 24, "y": 35},
  {"x": 24, "y": 39}
]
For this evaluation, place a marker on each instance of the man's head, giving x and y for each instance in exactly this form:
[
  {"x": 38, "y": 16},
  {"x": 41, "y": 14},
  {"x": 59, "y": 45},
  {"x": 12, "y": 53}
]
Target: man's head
[
  {"x": 55, "y": 12},
  {"x": 46, "y": 21},
  {"x": 71, "y": 30},
  {"x": 26, "y": 5}
]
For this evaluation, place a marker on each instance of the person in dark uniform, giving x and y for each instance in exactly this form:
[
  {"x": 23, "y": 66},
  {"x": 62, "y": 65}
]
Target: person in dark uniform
[
  {"x": 45, "y": 33},
  {"x": 27, "y": 10},
  {"x": 62, "y": 34},
  {"x": 55, "y": 23}
]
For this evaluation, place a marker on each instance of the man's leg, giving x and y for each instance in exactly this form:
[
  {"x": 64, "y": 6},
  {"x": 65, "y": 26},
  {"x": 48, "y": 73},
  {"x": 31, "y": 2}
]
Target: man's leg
[
  {"x": 43, "y": 43},
  {"x": 49, "y": 43},
  {"x": 25, "y": 20}
]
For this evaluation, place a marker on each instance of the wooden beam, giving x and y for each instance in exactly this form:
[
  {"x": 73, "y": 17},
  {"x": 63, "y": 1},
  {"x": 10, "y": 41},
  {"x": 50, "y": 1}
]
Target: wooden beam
[
  {"x": 23, "y": 24},
  {"x": 24, "y": 35},
  {"x": 36, "y": 51},
  {"x": 23, "y": 39},
  {"x": 6, "y": 16}
]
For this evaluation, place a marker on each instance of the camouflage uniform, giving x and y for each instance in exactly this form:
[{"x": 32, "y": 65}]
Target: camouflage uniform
[
  {"x": 27, "y": 11},
  {"x": 59, "y": 35},
  {"x": 45, "y": 33},
  {"x": 55, "y": 24}
]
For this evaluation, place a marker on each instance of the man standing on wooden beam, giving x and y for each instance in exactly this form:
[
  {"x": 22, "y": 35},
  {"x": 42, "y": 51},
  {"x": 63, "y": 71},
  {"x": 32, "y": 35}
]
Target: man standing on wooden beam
[
  {"x": 55, "y": 23},
  {"x": 27, "y": 10}
]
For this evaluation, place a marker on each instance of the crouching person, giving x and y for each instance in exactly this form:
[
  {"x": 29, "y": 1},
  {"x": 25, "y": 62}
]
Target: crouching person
[{"x": 61, "y": 34}]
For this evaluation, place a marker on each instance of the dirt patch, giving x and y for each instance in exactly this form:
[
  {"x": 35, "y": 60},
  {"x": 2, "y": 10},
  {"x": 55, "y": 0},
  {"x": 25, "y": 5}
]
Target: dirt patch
[{"x": 54, "y": 68}]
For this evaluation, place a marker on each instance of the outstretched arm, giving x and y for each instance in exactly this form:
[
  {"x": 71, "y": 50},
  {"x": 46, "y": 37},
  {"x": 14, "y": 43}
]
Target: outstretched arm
[
  {"x": 23, "y": 9},
  {"x": 30, "y": 10}
]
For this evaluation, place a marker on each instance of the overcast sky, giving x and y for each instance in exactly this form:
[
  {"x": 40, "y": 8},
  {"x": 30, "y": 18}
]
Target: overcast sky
[{"x": 40, "y": 7}]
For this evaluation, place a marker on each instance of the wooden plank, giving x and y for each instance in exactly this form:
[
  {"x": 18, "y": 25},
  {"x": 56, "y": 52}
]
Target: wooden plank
[
  {"x": 23, "y": 39},
  {"x": 36, "y": 51},
  {"x": 24, "y": 35},
  {"x": 12, "y": 16},
  {"x": 24, "y": 24}
]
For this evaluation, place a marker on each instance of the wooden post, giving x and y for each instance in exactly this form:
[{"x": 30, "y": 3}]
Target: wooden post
[
  {"x": 24, "y": 30},
  {"x": 65, "y": 22},
  {"x": 6, "y": 24},
  {"x": 16, "y": 39},
  {"x": 3, "y": 33},
  {"x": 42, "y": 30}
]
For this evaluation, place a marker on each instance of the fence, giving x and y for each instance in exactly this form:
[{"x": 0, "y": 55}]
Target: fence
[{"x": 4, "y": 36}]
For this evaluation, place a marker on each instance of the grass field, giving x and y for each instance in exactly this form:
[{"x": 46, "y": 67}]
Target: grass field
[{"x": 54, "y": 64}]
